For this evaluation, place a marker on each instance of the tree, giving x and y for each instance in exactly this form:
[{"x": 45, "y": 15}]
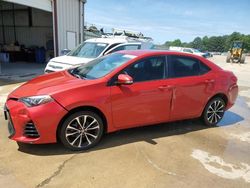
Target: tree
[
  {"x": 231, "y": 38},
  {"x": 205, "y": 41},
  {"x": 176, "y": 42},
  {"x": 197, "y": 43},
  {"x": 214, "y": 43},
  {"x": 246, "y": 40}
]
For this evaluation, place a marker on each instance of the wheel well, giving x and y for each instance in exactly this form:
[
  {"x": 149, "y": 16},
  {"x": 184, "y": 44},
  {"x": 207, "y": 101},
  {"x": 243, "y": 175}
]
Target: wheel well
[
  {"x": 221, "y": 95},
  {"x": 81, "y": 108}
]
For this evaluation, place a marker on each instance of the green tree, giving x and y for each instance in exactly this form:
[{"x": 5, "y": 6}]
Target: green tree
[
  {"x": 176, "y": 42},
  {"x": 197, "y": 43},
  {"x": 205, "y": 41},
  {"x": 246, "y": 40},
  {"x": 214, "y": 43},
  {"x": 231, "y": 38}
]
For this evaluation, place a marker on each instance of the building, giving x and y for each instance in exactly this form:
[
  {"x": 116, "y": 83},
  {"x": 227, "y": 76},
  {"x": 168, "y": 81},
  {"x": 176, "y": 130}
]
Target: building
[{"x": 51, "y": 25}]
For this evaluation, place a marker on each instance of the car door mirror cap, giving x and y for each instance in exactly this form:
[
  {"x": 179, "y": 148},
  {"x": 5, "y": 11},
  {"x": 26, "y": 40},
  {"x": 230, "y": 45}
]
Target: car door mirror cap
[{"x": 124, "y": 79}]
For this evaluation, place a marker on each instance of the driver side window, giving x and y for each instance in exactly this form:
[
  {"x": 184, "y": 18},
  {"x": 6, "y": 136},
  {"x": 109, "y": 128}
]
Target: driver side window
[{"x": 147, "y": 69}]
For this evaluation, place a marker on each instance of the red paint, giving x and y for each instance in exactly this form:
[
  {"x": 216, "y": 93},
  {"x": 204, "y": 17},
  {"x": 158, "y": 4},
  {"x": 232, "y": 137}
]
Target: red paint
[{"x": 125, "y": 105}]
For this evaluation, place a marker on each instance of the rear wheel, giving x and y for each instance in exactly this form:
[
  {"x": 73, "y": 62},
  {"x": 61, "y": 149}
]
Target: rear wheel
[
  {"x": 242, "y": 59},
  {"x": 228, "y": 57},
  {"x": 214, "y": 111},
  {"x": 81, "y": 130}
]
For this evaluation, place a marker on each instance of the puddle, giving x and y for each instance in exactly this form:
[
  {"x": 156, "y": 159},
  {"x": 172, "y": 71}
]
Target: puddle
[
  {"x": 216, "y": 165},
  {"x": 230, "y": 118}
]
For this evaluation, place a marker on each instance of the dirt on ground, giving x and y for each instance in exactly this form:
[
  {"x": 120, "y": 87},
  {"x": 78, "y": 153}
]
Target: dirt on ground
[{"x": 179, "y": 154}]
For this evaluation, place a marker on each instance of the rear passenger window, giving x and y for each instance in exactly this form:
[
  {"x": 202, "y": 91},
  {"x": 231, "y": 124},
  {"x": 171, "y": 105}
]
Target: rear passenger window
[
  {"x": 181, "y": 66},
  {"x": 204, "y": 68}
]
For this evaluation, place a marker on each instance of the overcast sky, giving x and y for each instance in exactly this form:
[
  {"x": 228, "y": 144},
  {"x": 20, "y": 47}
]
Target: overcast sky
[{"x": 165, "y": 20}]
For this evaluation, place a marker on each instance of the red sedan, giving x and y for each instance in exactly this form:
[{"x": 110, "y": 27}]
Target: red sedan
[{"x": 119, "y": 91}]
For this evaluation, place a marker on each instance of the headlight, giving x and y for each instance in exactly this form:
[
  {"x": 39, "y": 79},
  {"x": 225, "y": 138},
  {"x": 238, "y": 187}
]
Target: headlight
[{"x": 36, "y": 100}]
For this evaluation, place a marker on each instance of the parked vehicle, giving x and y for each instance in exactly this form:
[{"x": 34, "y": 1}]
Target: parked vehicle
[
  {"x": 189, "y": 50},
  {"x": 208, "y": 54},
  {"x": 118, "y": 91},
  {"x": 97, "y": 47},
  {"x": 216, "y": 53}
]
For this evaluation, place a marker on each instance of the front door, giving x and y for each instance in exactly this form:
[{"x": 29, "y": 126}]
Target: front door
[{"x": 147, "y": 100}]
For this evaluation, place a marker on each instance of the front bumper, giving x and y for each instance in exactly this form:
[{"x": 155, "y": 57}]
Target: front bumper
[
  {"x": 45, "y": 118},
  {"x": 7, "y": 116}
]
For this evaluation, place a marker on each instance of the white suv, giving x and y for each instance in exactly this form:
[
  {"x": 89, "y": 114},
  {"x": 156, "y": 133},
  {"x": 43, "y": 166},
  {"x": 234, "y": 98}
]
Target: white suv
[{"x": 94, "y": 48}]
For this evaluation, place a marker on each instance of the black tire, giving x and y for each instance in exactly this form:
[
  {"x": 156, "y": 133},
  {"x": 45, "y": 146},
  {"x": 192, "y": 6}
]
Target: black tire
[
  {"x": 81, "y": 130},
  {"x": 242, "y": 59},
  {"x": 228, "y": 57},
  {"x": 214, "y": 111}
]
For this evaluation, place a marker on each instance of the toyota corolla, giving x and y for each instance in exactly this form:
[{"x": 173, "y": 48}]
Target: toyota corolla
[{"x": 119, "y": 91}]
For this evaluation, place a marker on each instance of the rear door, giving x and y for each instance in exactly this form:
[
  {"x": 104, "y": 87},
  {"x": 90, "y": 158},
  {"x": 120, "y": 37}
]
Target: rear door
[{"x": 192, "y": 84}]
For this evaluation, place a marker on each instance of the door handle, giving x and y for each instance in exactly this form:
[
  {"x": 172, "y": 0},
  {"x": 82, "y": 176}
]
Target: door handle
[
  {"x": 209, "y": 81},
  {"x": 166, "y": 87}
]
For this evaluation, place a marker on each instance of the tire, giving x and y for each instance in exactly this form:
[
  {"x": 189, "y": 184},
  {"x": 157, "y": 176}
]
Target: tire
[
  {"x": 81, "y": 130},
  {"x": 228, "y": 57},
  {"x": 214, "y": 111},
  {"x": 242, "y": 59}
]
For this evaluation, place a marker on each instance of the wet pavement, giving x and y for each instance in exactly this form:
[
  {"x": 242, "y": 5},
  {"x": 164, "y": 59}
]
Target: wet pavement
[{"x": 179, "y": 154}]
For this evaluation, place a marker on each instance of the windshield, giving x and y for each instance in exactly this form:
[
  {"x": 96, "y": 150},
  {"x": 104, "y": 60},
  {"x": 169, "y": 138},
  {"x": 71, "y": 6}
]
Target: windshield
[
  {"x": 197, "y": 51},
  {"x": 237, "y": 45},
  {"x": 101, "y": 66},
  {"x": 88, "y": 50}
]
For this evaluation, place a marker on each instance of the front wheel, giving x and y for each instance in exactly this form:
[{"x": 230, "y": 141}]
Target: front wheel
[
  {"x": 214, "y": 111},
  {"x": 242, "y": 59},
  {"x": 81, "y": 130}
]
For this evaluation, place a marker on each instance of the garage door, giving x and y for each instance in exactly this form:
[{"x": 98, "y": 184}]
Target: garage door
[{"x": 41, "y": 4}]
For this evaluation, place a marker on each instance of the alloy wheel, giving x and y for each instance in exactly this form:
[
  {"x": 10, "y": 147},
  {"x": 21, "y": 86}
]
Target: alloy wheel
[
  {"x": 82, "y": 131},
  {"x": 215, "y": 111}
]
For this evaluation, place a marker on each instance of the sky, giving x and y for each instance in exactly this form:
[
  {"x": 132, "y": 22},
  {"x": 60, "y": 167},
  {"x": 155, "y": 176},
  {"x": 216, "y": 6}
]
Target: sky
[{"x": 166, "y": 20}]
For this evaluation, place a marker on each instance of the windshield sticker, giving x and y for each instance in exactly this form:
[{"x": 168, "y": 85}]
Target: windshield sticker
[{"x": 129, "y": 56}]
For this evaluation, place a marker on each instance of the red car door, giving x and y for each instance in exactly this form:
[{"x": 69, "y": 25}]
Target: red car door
[
  {"x": 147, "y": 100},
  {"x": 193, "y": 84}
]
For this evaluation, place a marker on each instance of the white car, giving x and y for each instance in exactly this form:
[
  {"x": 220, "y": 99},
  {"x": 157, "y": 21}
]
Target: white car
[
  {"x": 188, "y": 50},
  {"x": 94, "y": 48}
]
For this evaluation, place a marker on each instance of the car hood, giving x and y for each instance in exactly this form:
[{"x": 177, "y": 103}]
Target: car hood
[
  {"x": 48, "y": 84},
  {"x": 71, "y": 60}
]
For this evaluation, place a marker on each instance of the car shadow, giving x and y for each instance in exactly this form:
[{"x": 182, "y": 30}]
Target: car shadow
[{"x": 123, "y": 137}]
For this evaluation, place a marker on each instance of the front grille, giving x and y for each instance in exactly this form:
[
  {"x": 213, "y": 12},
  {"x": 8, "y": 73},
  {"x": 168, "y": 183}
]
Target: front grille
[{"x": 30, "y": 130}]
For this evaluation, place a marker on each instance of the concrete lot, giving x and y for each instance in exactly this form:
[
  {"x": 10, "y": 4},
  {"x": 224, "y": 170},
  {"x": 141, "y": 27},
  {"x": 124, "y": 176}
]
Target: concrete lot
[{"x": 181, "y": 154}]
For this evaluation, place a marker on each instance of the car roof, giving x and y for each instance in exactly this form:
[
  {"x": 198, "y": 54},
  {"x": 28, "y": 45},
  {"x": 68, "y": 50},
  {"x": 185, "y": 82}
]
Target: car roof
[
  {"x": 113, "y": 40},
  {"x": 151, "y": 52},
  {"x": 146, "y": 53}
]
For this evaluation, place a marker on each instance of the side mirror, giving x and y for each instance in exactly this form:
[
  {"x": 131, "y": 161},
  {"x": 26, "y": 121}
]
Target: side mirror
[
  {"x": 65, "y": 51},
  {"x": 124, "y": 79}
]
